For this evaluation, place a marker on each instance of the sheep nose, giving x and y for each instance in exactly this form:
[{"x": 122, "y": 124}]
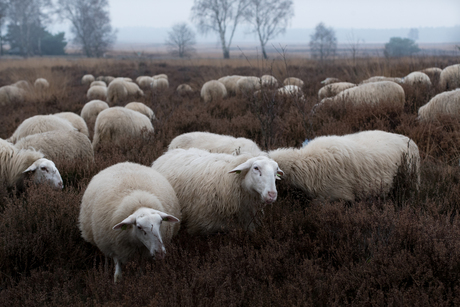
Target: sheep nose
[
  {"x": 60, "y": 185},
  {"x": 272, "y": 195}
]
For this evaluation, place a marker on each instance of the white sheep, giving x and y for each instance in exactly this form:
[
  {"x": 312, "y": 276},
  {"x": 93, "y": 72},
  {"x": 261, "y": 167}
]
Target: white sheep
[
  {"x": 23, "y": 84},
  {"x": 269, "y": 81},
  {"x": 230, "y": 83},
  {"x": 15, "y": 163},
  {"x": 293, "y": 81},
  {"x": 129, "y": 209},
  {"x": 41, "y": 84},
  {"x": 213, "y": 90},
  {"x": 120, "y": 90},
  {"x": 184, "y": 89},
  {"x": 445, "y": 103},
  {"x": 97, "y": 92},
  {"x": 144, "y": 82},
  {"x": 142, "y": 108},
  {"x": 417, "y": 78},
  {"x": 215, "y": 143},
  {"x": 98, "y": 83},
  {"x": 10, "y": 94},
  {"x": 77, "y": 121},
  {"x": 449, "y": 78},
  {"x": 91, "y": 110},
  {"x": 291, "y": 91},
  {"x": 160, "y": 76},
  {"x": 381, "y": 78},
  {"x": 39, "y": 124},
  {"x": 219, "y": 191},
  {"x": 330, "y": 81},
  {"x": 348, "y": 167},
  {"x": 159, "y": 84},
  {"x": 246, "y": 85},
  {"x": 332, "y": 89},
  {"x": 87, "y": 79},
  {"x": 60, "y": 145},
  {"x": 115, "y": 123}
]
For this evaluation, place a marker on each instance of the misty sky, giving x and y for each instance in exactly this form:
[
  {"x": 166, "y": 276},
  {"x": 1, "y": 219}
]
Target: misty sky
[{"x": 308, "y": 13}]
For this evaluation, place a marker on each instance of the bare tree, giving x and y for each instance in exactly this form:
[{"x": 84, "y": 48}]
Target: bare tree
[
  {"x": 181, "y": 40},
  {"x": 323, "y": 43},
  {"x": 353, "y": 44},
  {"x": 90, "y": 25},
  {"x": 269, "y": 18},
  {"x": 3, "y": 15},
  {"x": 220, "y": 16}
]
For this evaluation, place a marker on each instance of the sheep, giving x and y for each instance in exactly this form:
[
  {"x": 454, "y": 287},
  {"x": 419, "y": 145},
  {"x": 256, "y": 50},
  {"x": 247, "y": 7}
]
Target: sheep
[
  {"x": 184, "y": 89},
  {"x": 120, "y": 90},
  {"x": 23, "y": 84},
  {"x": 112, "y": 124},
  {"x": 445, "y": 103},
  {"x": 291, "y": 91},
  {"x": 219, "y": 191},
  {"x": 372, "y": 93},
  {"x": 159, "y": 84},
  {"x": 97, "y": 92},
  {"x": 230, "y": 83},
  {"x": 41, "y": 84},
  {"x": 10, "y": 94},
  {"x": 60, "y": 145},
  {"x": 142, "y": 108},
  {"x": 246, "y": 85},
  {"x": 417, "y": 78},
  {"x": 39, "y": 124},
  {"x": 349, "y": 167},
  {"x": 106, "y": 79},
  {"x": 144, "y": 82},
  {"x": 91, "y": 109},
  {"x": 98, "y": 83},
  {"x": 122, "y": 213},
  {"x": 87, "y": 79},
  {"x": 433, "y": 73},
  {"x": 330, "y": 81},
  {"x": 160, "y": 76},
  {"x": 77, "y": 121},
  {"x": 293, "y": 81},
  {"x": 213, "y": 90},
  {"x": 15, "y": 163},
  {"x": 215, "y": 143},
  {"x": 381, "y": 78},
  {"x": 449, "y": 78},
  {"x": 333, "y": 89},
  {"x": 269, "y": 81}
]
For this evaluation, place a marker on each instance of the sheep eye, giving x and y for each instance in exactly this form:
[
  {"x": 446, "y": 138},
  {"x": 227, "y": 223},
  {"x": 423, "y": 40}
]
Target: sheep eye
[
  {"x": 139, "y": 227},
  {"x": 43, "y": 168},
  {"x": 256, "y": 168}
]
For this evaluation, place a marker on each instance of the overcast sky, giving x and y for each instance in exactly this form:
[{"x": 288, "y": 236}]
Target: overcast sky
[{"x": 378, "y": 14}]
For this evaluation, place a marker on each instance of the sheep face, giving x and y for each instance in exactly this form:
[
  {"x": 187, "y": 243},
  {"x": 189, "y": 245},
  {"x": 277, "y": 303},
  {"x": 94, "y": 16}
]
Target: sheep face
[
  {"x": 260, "y": 178},
  {"x": 146, "y": 224},
  {"x": 45, "y": 171}
]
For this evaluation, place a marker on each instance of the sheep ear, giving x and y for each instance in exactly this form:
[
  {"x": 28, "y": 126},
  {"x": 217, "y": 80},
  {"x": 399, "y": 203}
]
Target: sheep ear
[
  {"x": 243, "y": 166},
  {"x": 31, "y": 168},
  {"x": 127, "y": 221},
  {"x": 279, "y": 173},
  {"x": 169, "y": 218}
]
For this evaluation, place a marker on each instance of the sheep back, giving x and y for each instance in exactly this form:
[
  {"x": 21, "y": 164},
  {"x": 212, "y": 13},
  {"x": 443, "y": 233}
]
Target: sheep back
[
  {"x": 213, "y": 90},
  {"x": 40, "y": 123},
  {"x": 77, "y": 121},
  {"x": 449, "y": 78},
  {"x": 445, "y": 103},
  {"x": 333, "y": 89}
]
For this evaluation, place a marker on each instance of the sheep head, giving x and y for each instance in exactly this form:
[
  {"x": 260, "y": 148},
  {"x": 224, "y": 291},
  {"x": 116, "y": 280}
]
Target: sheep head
[{"x": 45, "y": 171}]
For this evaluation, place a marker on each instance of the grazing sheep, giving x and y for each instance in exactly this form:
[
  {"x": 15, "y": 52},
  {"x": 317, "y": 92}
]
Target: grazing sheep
[
  {"x": 98, "y": 83},
  {"x": 41, "y": 84},
  {"x": 144, "y": 82},
  {"x": 97, "y": 92},
  {"x": 215, "y": 143},
  {"x": 417, "y": 78},
  {"x": 269, "y": 81},
  {"x": 120, "y": 90},
  {"x": 330, "y": 81},
  {"x": 184, "y": 89},
  {"x": 246, "y": 85},
  {"x": 218, "y": 191},
  {"x": 91, "y": 110},
  {"x": 87, "y": 79},
  {"x": 122, "y": 213},
  {"x": 445, "y": 103},
  {"x": 115, "y": 123},
  {"x": 38, "y": 124},
  {"x": 230, "y": 83},
  {"x": 106, "y": 79},
  {"x": 23, "y": 84},
  {"x": 381, "y": 78},
  {"x": 77, "y": 121},
  {"x": 293, "y": 81},
  {"x": 160, "y": 76},
  {"x": 142, "y": 108},
  {"x": 449, "y": 78},
  {"x": 333, "y": 89},
  {"x": 373, "y": 93},
  {"x": 213, "y": 90},
  {"x": 291, "y": 91},
  {"x": 10, "y": 94},
  {"x": 60, "y": 145},
  {"x": 14, "y": 163},
  {"x": 159, "y": 84},
  {"x": 348, "y": 167}
]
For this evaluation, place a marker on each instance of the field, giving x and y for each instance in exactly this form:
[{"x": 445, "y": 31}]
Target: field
[{"x": 401, "y": 250}]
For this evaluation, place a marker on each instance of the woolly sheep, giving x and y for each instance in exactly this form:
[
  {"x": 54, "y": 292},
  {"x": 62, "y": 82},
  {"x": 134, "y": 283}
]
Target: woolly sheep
[
  {"x": 333, "y": 89},
  {"x": 23, "y": 84},
  {"x": 97, "y": 92},
  {"x": 106, "y": 79},
  {"x": 213, "y": 90},
  {"x": 39, "y": 124},
  {"x": 417, "y": 78},
  {"x": 87, "y": 79},
  {"x": 112, "y": 124},
  {"x": 41, "y": 84},
  {"x": 91, "y": 110},
  {"x": 218, "y": 191},
  {"x": 123, "y": 210},
  {"x": 246, "y": 85},
  {"x": 230, "y": 83},
  {"x": 15, "y": 163},
  {"x": 449, "y": 78},
  {"x": 98, "y": 83},
  {"x": 11, "y": 94},
  {"x": 291, "y": 91},
  {"x": 370, "y": 94},
  {"x": 293, "y": 81},
  {"x": 330, "y": 81},
  {"x": 445, "y": 103},
  {"x": 60, "y": 145},
  {"x": 144, "y": 82},
  {"x": 184, "y": 89},
  {"x": 120, "y": 90},
  {"x": 269, "y": 81},
  {"x": 142, "y": 108},
  {"x": 348, "y": 167},
  {"x": 160, "y": 76},
  {"x": 159, "y": 84},
  {"x": 77, "y": 121},
  {"x": 215, "y": 143},
  {"x": 381, "y": 78}
]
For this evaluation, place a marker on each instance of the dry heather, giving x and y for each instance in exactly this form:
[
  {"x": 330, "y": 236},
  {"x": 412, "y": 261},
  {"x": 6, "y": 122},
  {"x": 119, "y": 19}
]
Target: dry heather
[{"x": 403, "y": 249}]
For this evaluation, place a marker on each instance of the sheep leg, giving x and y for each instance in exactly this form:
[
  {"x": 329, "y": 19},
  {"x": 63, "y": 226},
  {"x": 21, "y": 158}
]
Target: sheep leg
[{"x": 117, "y": 275}]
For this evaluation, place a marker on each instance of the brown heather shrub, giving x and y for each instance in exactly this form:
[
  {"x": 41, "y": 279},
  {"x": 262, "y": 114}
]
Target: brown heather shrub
[{"x": 400, "y": 250}]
